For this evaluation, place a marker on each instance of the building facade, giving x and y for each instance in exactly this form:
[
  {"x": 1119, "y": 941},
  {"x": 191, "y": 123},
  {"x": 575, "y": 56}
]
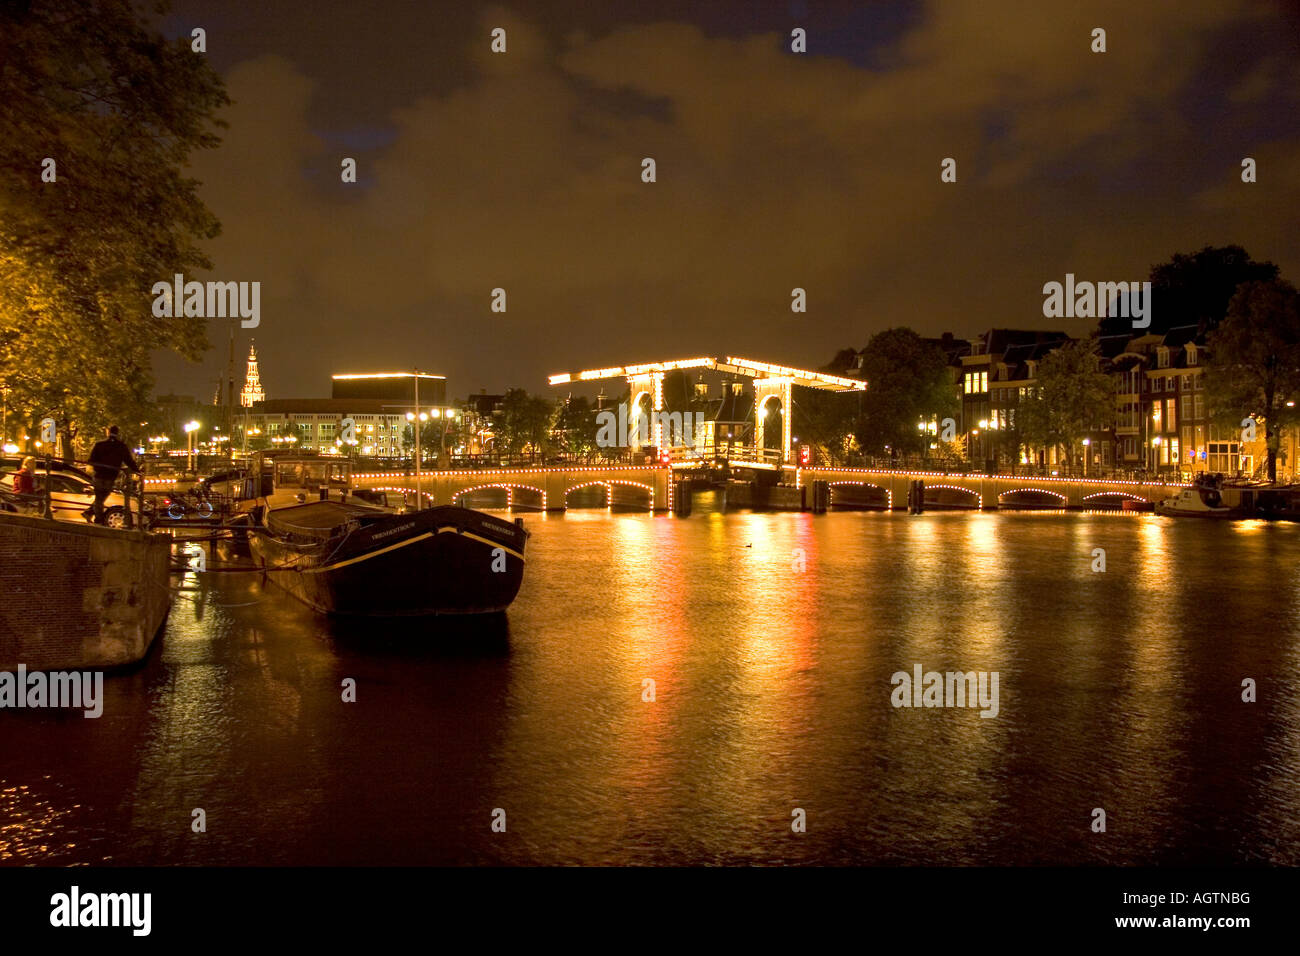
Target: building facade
[
  {"x": 1161, "y": 421},
  {"x": 380, "y": 407}
]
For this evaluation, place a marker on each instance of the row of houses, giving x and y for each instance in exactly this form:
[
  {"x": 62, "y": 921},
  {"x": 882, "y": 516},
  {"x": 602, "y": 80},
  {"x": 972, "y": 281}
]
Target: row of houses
[{"x": 1161, "y": 420}]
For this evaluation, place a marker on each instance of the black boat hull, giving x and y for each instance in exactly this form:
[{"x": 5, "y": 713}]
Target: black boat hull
[{"x": 444, "y": 560}]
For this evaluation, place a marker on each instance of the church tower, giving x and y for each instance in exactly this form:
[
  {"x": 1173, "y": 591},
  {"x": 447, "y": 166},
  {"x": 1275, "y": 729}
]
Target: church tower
[{"x": 252, "y": 381}]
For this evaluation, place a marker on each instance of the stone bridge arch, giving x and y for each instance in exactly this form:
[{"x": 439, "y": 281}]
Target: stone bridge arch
[
  {"x": 884, "y": 501},
  {"x": 1110, "y": 500},
  {"x": 533, "y": 499},
  {"x": 952, "y": 497},
  {"x": 1033, "y": 498},
  {"x": 615, "y": 484}
]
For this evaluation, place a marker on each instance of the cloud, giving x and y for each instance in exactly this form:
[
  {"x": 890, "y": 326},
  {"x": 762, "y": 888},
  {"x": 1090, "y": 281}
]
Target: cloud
[{"x": 774, "y": 171}]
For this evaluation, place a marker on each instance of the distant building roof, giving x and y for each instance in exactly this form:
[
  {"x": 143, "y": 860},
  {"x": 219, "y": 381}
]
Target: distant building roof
[
  {"x": 327, "y": 406},
  {"x": 952, "y": 347},
  {"x": 1017, "y": 357},
  {"x": 731, "y": 408},
  {"x": 484, "y": 404},
  {"x": 391, "y": 386},
  {"x": 1180, "y": 336}
]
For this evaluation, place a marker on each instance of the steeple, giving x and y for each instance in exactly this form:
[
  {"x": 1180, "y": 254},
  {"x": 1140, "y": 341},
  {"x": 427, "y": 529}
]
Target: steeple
[{"x": 252, "y": 381}]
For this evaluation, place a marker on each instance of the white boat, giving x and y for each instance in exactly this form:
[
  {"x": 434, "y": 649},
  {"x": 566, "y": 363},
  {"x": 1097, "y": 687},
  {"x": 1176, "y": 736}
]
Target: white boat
[{"x": 1196, "y": 502}]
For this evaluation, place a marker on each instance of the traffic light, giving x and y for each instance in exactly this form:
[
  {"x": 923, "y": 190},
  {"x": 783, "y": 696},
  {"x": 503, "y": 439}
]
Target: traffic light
[{"x": 805, "y": 454}]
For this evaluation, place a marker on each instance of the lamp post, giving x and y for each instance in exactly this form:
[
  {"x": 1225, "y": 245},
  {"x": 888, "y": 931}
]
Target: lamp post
[
  {"x": 1087, "y": 442},
  {"x": 190, "y": 429},
  {"x": 415, "y": 420},
  {"x": 9, "y": 447}
]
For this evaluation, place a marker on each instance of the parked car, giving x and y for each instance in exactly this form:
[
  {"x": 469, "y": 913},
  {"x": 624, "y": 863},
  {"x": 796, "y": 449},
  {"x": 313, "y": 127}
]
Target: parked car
[
  {"x": 11, "y": 463},
  {"x": 72, "y": 494}
]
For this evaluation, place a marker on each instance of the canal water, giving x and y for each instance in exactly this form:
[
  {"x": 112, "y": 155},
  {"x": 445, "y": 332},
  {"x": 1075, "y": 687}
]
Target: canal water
[{"x": 771, "y": 640}]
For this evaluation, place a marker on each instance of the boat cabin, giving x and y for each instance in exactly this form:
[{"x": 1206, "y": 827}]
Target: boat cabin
[{"x": 283, "y": 477}]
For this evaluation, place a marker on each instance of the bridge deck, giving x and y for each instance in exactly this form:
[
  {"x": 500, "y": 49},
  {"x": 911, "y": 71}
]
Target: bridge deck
[{"x": 654, "y": 486}]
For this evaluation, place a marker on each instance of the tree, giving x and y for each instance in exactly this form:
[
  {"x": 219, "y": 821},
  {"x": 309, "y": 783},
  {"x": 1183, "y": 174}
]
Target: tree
[
  {"x": 576, "y": 422},
  {"x": 1195, "y": 289},
  {"x": 525, "y": 423},
  {"x": 430, "y": 438},
  {"x": 119, "y": 109},
  {"x": 825, "y": 421},
  {"x": 1072, "y": 398},
  {"x": 908, "y": 381},
  {"x": 679, "y": 391},
  {"x": 1254, "y": 366}
]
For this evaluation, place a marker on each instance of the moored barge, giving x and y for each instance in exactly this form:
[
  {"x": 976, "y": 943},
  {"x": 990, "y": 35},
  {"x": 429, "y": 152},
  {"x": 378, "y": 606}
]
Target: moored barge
[{"x": 346, "y": 557}]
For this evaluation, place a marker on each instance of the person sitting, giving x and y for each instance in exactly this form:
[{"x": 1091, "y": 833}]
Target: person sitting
[
  {"x": 25, "y": 477},
  {"x": 25, "y": 483}
]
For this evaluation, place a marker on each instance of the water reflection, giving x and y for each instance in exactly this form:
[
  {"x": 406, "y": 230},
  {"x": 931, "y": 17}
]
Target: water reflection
[{"x": 771, "y": 640}]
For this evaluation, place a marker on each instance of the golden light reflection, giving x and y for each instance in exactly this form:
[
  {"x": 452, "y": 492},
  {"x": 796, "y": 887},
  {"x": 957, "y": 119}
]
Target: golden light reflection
[{"x": 31, "y": 825}]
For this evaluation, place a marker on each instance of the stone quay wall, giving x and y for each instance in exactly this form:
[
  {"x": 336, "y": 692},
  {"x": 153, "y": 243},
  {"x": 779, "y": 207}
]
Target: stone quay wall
[{"x": 78, "y": 596}]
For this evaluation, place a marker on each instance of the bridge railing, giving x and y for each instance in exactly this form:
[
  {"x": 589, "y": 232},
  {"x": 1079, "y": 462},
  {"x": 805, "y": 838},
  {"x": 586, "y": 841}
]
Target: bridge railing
[{"x": 1006, "y": 470}]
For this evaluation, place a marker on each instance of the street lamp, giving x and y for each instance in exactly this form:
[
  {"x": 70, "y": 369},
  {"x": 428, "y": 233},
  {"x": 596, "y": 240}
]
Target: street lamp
[
  {"x": 1087, "y": 442},
  {"x": 190, "y": 429},
  {"x": 415, "y": 429},
  {"x": 447, "y": 415}
]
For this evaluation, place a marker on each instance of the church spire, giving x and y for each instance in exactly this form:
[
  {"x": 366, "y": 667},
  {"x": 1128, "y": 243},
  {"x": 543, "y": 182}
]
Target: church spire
[{"x": 252, "y": 381}]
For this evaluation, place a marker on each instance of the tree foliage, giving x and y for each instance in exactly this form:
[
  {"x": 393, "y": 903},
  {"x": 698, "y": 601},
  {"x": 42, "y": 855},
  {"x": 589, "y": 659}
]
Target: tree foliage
[
  {"x": 1255, "y": 362},
  {"x": 1195, "y": 289},
  {"x": 1073, "y": 397},
  {"x": 119, "y": 109},
  {"x": 908, "y": 380},
  {"x": 825, "y": 421},
  {"x": 576, "y": 423},
  {"x": 526, "y": 422}
]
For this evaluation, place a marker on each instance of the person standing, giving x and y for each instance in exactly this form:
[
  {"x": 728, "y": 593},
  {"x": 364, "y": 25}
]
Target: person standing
[{"x": 108, "y": 458}]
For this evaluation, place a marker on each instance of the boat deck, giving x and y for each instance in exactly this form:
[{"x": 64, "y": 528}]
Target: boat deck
[{"x": 318, "y": 518}]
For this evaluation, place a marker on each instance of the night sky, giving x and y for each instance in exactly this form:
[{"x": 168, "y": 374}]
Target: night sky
[{"x": 775, "y": 170}]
